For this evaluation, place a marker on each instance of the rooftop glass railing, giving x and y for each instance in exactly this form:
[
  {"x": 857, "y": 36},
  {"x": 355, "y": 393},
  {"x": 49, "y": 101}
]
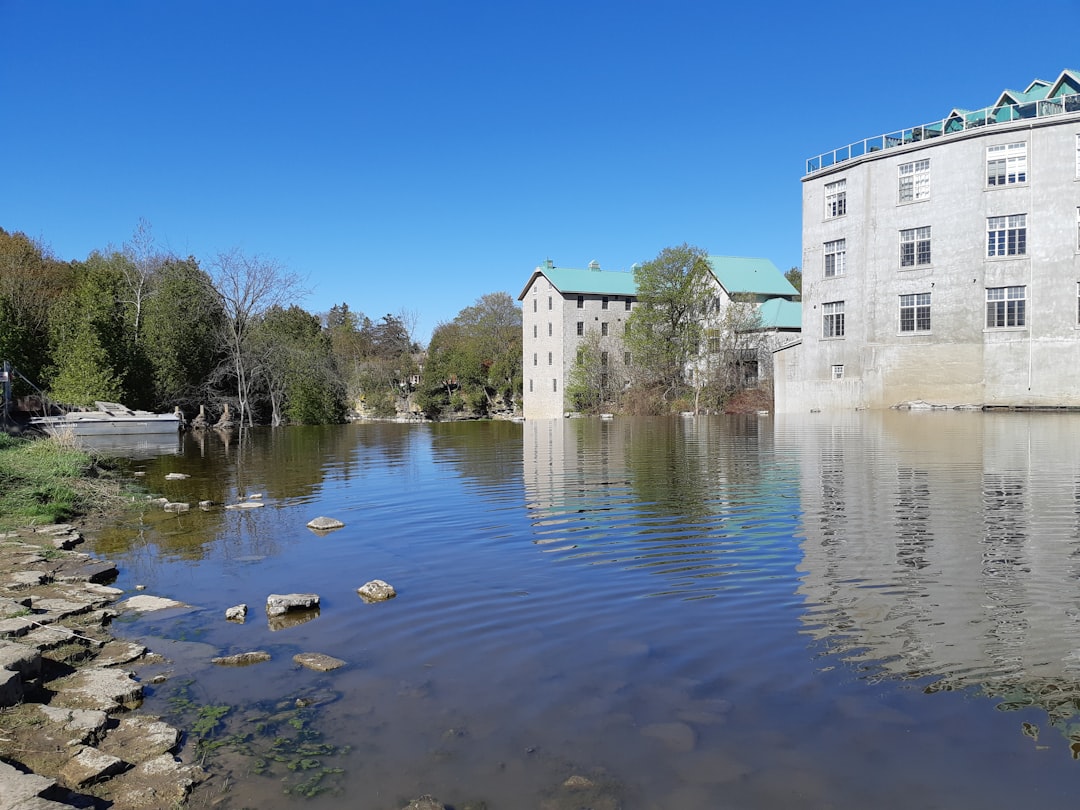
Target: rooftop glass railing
[{"x": 957, "y": 122}]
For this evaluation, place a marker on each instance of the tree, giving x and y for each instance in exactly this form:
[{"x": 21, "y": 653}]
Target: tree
[
  {"x": 794, "y": 276},
  {"x": 247, "y": 287},
  {"x": 598, "y": 375},
  {"x": 665, "y": 330},
  {"x": 733, "y": 349}
]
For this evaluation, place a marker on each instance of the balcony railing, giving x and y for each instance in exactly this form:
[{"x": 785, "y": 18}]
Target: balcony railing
[{"x": 958, "y": 122}]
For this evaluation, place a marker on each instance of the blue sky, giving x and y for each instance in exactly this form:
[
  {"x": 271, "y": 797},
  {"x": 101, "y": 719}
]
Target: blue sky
[{"x": 417, "y": 155}]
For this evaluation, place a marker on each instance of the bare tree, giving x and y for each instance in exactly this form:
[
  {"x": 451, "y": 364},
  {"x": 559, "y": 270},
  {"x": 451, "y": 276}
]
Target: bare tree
[
  {"x": 143, "y": 261},
  {"x": 248, "y": 286}
]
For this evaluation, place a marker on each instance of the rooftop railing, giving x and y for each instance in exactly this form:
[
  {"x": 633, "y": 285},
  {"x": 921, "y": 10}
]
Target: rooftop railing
[{"x": 957, "y": 122}]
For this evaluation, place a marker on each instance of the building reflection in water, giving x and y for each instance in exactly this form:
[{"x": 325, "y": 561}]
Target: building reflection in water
[{"x": 945, "y": 547}]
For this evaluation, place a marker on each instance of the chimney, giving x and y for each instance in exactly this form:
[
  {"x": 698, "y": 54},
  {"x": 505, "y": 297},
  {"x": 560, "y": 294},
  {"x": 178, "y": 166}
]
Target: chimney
[{"x": 594, "y": 265}]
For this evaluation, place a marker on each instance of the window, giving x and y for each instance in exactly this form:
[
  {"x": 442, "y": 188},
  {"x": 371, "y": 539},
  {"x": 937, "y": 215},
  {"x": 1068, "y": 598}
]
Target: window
[
  {"x": 581, "y": 302},
  {"x": 1006, "y": 164},
  {"x": 549, "y": 358},
  {"x": 580, "y": 328},
  {"x": 915, "y": 181},
  {"x": 549, "y": 328},
  {"x": 534, "y": 330},
  {"x": 603, "y": 303},
  {"x": 603, "y": 358},
  {"x": 549, "y": 302},
  {"x": 554, "y": 384},
  {"x": 530, "y": 385},
  {"x": 838, "y": 371},
  {"x": 1005, "y": 307},
  {"x": 915, "y": 312},
  {"x": 833, "y": 319},
  {"x": 626, "y": 355},
  {"x": 627, "y": 302},
  {"x": 603, "y": 329},
  {"x": 534, "y": 305},
  {"x": 1006, "y": 236},
  {"x": 835, "y": 258},
  {"x": 835, "y": 199},
  {"x": 915, "y": 247},
  {"x": 534, "y": 358}
]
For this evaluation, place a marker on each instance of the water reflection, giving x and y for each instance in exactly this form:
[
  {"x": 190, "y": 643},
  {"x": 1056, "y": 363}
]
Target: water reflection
[{"x": 944, "y": 547}]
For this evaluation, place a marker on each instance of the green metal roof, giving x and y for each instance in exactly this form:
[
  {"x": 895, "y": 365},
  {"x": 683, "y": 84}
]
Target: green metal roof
[
  {"x": 588, "y": 282},
  {"x": 779, "y": 313},
  {"x": 738, "y": 274}
]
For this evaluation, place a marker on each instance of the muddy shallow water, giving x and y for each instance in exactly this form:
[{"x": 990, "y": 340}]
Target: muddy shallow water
[{"x": 865, "y": 610}]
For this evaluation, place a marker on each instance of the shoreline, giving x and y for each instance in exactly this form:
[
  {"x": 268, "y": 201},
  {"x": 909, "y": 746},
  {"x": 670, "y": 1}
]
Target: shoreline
[{"x": 70, "y": 735}]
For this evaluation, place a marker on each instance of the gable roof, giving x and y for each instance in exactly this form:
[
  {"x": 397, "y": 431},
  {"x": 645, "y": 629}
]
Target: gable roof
[
  {"x": 593, "y": 282},
  {"x": 780, "y": 313},
  {"x": 738, "y": 274}
]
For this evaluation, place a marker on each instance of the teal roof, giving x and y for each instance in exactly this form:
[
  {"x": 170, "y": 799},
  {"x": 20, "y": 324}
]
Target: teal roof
[
  {"x": 739, "y": 274},
  {"x": 779, "y": 313},
  {"x": 589, "y": 282}
]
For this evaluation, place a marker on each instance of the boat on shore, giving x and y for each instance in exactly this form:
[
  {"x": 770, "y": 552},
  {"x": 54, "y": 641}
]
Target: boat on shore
[{"x": 108, "y": 419}]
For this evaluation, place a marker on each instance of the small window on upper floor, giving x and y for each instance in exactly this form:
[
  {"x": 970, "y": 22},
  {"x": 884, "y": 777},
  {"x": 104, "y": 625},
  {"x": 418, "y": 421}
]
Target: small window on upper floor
[
  {"x": 604, "y": 302},
  {"x": 915, "y": 181},
  {"x": 549, "y": 302},
  {"x": 1006, "y": 236},
  {"x": 832, "y": 319},
  {"x": 835, "y": 260},
  {"x": 581, "y": 302},
  {"x": 581, "y": 328},
  {"x": 915, "y": 246},
  {"x": 838, "y": 371},
  {"x": 836, "y": 199},
  {"x": 627, "y": 305},
  {"x": 1006, "y": 164}
]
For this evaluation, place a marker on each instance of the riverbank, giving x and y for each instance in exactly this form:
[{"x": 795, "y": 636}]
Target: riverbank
[{"x": 67, "y": 734}]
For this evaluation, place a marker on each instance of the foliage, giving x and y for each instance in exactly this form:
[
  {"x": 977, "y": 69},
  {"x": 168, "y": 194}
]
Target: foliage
[
  {"x": 597, "y": 377},
  {"x": 794, "y": 276},
  {"x": 665, "y": 330},
  {"x": 38, "y": 481},
  {"x": 475, "y": 360},
  {"x": 734, "y": 348}
]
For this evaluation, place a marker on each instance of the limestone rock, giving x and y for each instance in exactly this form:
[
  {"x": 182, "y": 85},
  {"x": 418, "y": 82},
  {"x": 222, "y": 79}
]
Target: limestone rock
[
  {"x": 89, "y": 766},
  {"x": 245, "y": 505},
  {"x": 115, "y": 653},
  {"x": 177, "y": 507},
  {"x": 237, "y": 613},
  {"x": 20, "y": 658},
  {"x": 278, "y": 603},
  {"x": 97, "y": 688},
  {"x": 318, "y": 661},
  {"x": 325, "y": 524},
  {"x": 11, "y": 688},
  {"x": 20, "y": 790},
  {"x": 138, "y": 739},
  {"x": 157, "y": 783},
  {"x": 145, "y": 603},
  {"x": 176, "y": 476},
  {"x": 86, "y": 725},
  {"x": 241, "y": 659},
  {"x": 376, "y": 591},
  {"x": 425, "y": 803}
]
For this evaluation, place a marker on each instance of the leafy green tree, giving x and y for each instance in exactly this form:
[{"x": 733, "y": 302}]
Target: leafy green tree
[
  {"x": 88, "y": 337},
  {"x": 794, "y": 277},
  {"x": 734, "y": 346},
  {"x": 181, "y": 321},
  {"x": 597, "y": 377},
  {"x": 666, "y": 329}
]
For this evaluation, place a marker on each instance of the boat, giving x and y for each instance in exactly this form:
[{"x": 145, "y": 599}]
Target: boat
[{"x": 109, "y": 418}]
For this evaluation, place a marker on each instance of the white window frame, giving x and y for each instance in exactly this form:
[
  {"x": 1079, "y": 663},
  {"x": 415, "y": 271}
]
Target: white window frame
[
  {"x": 838, "y": 371},
  {"x": 914, "y": 181},
  {"x": 915, "y": 247},
  {"x": 832, "y": 319},
  {"x": 1006, "y": 307},
  {"x": 1006, "y": 236},
  {"x": 1006, "y": 164},
  {"x": 1078, "y": 157},
  {"x": 915, "y": 313},
  {"x": 835, "y": 253},
  {"x": 836, "y": 198}
]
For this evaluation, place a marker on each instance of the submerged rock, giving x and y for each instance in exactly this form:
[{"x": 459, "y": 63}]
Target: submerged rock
[
  {"x": 318, "y": 661},
  {"x": 325, "y": 524},
  {"x": 241, "y": 659},
  {"x": 280, "y": 603},
  {"x": 376, "y": 591},
  {"x": 237, "y": 613}
]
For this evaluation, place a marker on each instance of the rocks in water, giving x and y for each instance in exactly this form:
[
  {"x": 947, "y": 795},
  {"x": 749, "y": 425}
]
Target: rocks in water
[
  {"x": 145, "y": 603},
  {"x": 206, "y": 505},
  {"x": 177, "y": 507},
  {"x": 88, "y": 767},
  {"x": 376, "y": 591},
  {"x": 325, "y": 524},
  {"x": 237, "y": 613},
  {"x": 226, "y": 420},
  {"x": 97, "y": 688},
  {"x": 278, "y": 604},
  {"x": 245, "y": 505},
  {"x": 176, "y": 476},
  {"x": 241, "y": 659},
  {"x": 425, "y": 803},
  {"x": 318, "y": 661}
]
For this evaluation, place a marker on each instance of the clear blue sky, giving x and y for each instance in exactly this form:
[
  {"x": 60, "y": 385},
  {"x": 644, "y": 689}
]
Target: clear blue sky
[{"x": 420, "y": 154}]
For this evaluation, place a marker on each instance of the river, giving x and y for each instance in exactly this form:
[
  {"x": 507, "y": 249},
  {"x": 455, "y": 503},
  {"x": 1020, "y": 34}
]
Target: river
[{"x": 845, "y": 611}]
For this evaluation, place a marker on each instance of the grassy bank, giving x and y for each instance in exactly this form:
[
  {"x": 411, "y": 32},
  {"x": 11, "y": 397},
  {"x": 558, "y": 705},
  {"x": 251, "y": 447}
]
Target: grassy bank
[{"x": 45, "y": 481}]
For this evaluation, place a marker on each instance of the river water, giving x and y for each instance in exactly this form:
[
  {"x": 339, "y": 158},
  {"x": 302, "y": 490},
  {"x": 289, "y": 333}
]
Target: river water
[{"x": 864, "y": 610}]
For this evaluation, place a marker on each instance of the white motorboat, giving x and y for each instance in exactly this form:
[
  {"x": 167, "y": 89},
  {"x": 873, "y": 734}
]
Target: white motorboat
[{"x": 110, "y": 418}]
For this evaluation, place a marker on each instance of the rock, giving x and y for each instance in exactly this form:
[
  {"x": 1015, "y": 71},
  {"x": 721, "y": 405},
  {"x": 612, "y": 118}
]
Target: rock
[
  {"x": 22, "y": 791},
  {"x": 97, "y": 688},
  {"x": 176, "y": 476},
  {"x": 241, "y": 659},
  {"x": 318, "y": 661},
  {"x": 376, "y": 591},
  {"x": 277, "y": 603},
  {"x": 425, "y": 803},
  {"x": 206, "y": 505},
  {"x": 325, "y": 524},
  {"x": 11, "y": 688},
  {"x": 87, "y": 725},
  {"x": 245, "y": 505},
  {"x": 145, "y": 603},
  {"x": 89, "y": 766},
  {"x": 578, "y": 782},
  {"x": 177, "y": 507},
  {"x": 115, "y": 653},
  {"x": 237, "y": 613},
  {"x": 158, "y": 783},
  {"x": 20, "y": 658},
  {"x": 138, "y": 739}
]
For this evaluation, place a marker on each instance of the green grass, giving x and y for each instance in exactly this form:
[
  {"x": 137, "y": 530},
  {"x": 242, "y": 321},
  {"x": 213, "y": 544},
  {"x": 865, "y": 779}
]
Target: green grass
[{"x": 40, "y": 482}]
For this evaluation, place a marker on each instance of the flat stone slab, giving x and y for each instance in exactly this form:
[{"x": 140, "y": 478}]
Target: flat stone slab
[
  {"x": 21, "y": 658},
  {"x": 115, "y": 653},
  {"x": 97, "y": 688},
  {"x": 318, "y": 661},
  {"x": 23, "y": 580},
  {"x": 160, "y": 782},
  {"x": 19, "y": 790},
  {"x": 177, "y": 507},
  {"x": 11, "y": 687},
  {"x": 88, "y": 767},
  {"x": 85, "y": 725},
  {"x": 245, "y": 505},
  {"x": 241, "y": 659},
  {"x": 85, "y": 570},
  {"x": 138, "y": 739},
  {"x": 376, "y": 591},
  {"x": 325, "y": 524},
  {"x": 279, "y": 603},
  {"x": 176, "y": 476},
  {"x": 144, "y": 603}
]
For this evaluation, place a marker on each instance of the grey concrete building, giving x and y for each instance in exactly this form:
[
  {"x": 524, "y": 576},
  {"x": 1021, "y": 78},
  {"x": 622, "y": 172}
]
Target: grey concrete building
[{"x": 941, "y": 263}]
